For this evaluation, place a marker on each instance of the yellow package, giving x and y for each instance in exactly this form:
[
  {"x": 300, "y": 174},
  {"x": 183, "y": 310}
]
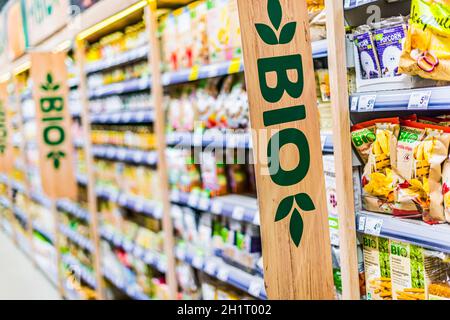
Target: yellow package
[
  {"x": 422, "y": 148},
  {"x": 378, "y": 180},
  {"x": 407, "y": 271},
  {"x": 377, "y": 268},
  {"x": 426, "y": 52}
]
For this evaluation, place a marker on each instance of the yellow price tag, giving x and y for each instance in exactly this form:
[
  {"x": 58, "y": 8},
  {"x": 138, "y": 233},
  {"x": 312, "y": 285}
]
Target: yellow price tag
[
  {"x": 235, "y": 66},
  {"x": 194, "y": 73}
]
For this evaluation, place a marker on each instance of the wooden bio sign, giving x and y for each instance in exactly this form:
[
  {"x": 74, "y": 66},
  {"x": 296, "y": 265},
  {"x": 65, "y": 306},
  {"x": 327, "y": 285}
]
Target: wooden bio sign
[
  {"x": 283, "y": 105},
  {"x": 6, "y": 156},
  {"x": 50, "y": 92}
]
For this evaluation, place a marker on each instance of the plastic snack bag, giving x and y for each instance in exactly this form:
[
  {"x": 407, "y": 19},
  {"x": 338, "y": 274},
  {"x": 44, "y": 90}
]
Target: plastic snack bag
[
  {"x": 422, "y": 148},
  {"x": 378, "y": 180},
  {"x": 389, "y": 44},
  {"x": 370, "y": 66},
  {"x": 437, "y": 275},
  {"x": 426, "y": 52}
]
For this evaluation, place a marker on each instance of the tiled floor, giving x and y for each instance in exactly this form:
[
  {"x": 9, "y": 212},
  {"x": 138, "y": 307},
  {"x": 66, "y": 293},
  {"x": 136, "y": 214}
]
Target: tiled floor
[{"x": 19, "y": 278}]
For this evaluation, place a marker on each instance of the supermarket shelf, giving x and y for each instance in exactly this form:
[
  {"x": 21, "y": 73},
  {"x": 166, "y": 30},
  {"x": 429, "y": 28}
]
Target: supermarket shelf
[
  {"x": 4, "y": 179},
  {"x": 128, "y": 57},
  {"x": 79, "y": 270},
  {"x": 41, "y": 199},
  {"x": 352, "y": 4},
  {"x": 399, "y": 100},
  {"x": 77, "y": 238},
  {"x": 20, "y": 215},
  {"x": 37, "y": 227},
  {"x": 211, "y": 139},
  {"x": 215, "y": 267},
  {"x": 125, "y": 154},
  {"x": 123, "y": 117},
  {"x": 202, "y": 72},
  {"x": 241, "y": 208},
  {"x": 319, "y": 49},
  {"x": 435, "y": 237},
  {"x": 128, "y": 86},
  {"x": 73, "y": 83},
  {"x": 17, "y": 185},
  {"x": 4, "y": 202},
  {"x": 132, "y": 291},
  {"x": 150, "y": 257},
  {"x": 73, "y": 208},
  {"x": 147, "y": 207}
]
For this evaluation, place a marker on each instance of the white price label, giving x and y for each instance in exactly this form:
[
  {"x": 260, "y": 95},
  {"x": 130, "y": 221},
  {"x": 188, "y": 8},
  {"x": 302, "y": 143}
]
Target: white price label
[
  {"x": 122, "y": 200},
  {"x": 126, "y": 117},
  {"x": 140, "y": 116},
  {"x": 193, "y": 200},
  {"x": 197, "y": 262},
  {"x": 419, "y": 100},
  {"x": 138, "y": 251},
  {"x": 210, "y": 268},
  {"x": 139, "y": 205},
  {"x": 203, "y": 203},
  {"x": 143, "y": 83},
  {"x": 223, "y": 273},
  {"x": 373, "y": 226},
  {"x": 216, "y": 207},
  {"x": 121, "y": 153},
  {"x": 127, "y": 245},
  {"x": 354, "y": 104},
  {"x": 238, "y": 213},
  {"x": 158, "y": 212},
  {"x": 137, "y": 156},
  {"x": 256, "y": 218},
  {"x": 255, "y": 288},
  {"x": 366, "y": 103},
  {"x": 165, "y": 79},
  {"x": 232, "y": 140},
  {"x": 115, "y": 117},
  {"x": 361, "y": 224},
  {"x": 162, "y": 265},
  {"x": 175, "y": 196}
]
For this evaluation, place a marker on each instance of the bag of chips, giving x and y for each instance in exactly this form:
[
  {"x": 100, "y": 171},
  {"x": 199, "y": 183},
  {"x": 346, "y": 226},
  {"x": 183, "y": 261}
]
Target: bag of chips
[
  {"x": 421, "y": 150},
  {"x": 378, "y": 180},
  {"x": 426, "y": 52}
]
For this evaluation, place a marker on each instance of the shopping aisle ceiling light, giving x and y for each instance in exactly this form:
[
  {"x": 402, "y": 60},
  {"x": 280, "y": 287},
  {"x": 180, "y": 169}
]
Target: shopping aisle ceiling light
[{"x": 117, "y": 17}]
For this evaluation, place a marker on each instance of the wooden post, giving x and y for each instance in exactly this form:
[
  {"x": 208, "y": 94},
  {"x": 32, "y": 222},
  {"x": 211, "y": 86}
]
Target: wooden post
[
  {"x": 289, "y": 172},
  {"x": 160, "y": 124},
  {"x": 342, "y": 148},
  {"x": 80, "y": 53}
]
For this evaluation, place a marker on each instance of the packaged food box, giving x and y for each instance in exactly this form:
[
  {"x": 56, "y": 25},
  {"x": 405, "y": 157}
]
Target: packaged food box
[
  {"x": 407, "y": 271},
  {"x": 377, "y": 268}
]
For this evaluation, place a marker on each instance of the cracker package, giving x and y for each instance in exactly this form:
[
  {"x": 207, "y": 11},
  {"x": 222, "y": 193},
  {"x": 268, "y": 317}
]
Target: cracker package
[
  {"x": 422, "y": 148},
  {"x": 437, "y": 275},
  {"x": 407, "y": 271},
  {"x": 377, "y": 268},
  {"x": 378, "y": 180},
  {"x": 426, "y": 52}
]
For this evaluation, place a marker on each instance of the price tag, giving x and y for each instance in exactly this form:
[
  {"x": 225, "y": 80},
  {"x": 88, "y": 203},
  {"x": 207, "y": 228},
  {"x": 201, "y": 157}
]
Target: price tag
[
  {"x": 198, "y": 139},
  {"x": 143, "y": 83},
  {"x": 198, "y": 262},
  {"x": 419, "y": 100},
  {"x": 137, "y": 156},
  {"x": 361, "y": 224},
  {"x": 216, "y": 207},
  {"x": 210, "y": 268},
  {"x": 213, "y": 71},
  {"x": 203, "y": 204},
  {"x": 373, "y": 226},
  {"x": 256, "y": 218},
  {"x": 238, "y": 213},
  {"x": 193, "y": 200},
  {"x": 158, "y": 211},
  {"x": 122, "y": 200},
  {"x": 149, "y": 257},
  {"x": 165, "y": 79},
  {"x": 127, "y": 245},
  {"x": 126, "y": 117},
  {"x": 139, "y": 205},
  {"x": 121, "y": 154},
  {"x": 354, "y": 104},
  {"x": 115, "y": 117},
  {"x": 181, "y": 254},
  {"x": 138, "y": 251},
  {"x": 110, "y": 152},
  {"x": 255, "y": 288},
  {"x": 366, "y": 103},
  {"x": 223, "y": 273},
  {"x": 150, "y": 158},
  {"x": 231, "y": 140},
  {"x": 162, "y": 265},
  {"x": 175, "y": 196}
]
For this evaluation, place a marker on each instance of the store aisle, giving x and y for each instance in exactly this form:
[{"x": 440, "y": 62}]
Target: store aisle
[{"x": 19, "y": 278}]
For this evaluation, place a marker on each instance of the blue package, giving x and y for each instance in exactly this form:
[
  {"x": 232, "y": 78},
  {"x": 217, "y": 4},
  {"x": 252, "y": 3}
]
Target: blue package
[
  {"x": 370, "y": 67},
  {"x": 389, "y": 44}
]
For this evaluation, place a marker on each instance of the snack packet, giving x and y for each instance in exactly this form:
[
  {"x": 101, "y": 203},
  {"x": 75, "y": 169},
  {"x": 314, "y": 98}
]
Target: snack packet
[
  {"x": 427, "y": 46},
  {"x": 363, "y": 135},
  {"x": 389, "y": 45},
  {"x": 437, "y": 275},
  {"x": 370, "y": 67},
  {"x": 378, "y": 180},
  {"x": 422, "y": 148},
  {"x": 435, "y": 121}
]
